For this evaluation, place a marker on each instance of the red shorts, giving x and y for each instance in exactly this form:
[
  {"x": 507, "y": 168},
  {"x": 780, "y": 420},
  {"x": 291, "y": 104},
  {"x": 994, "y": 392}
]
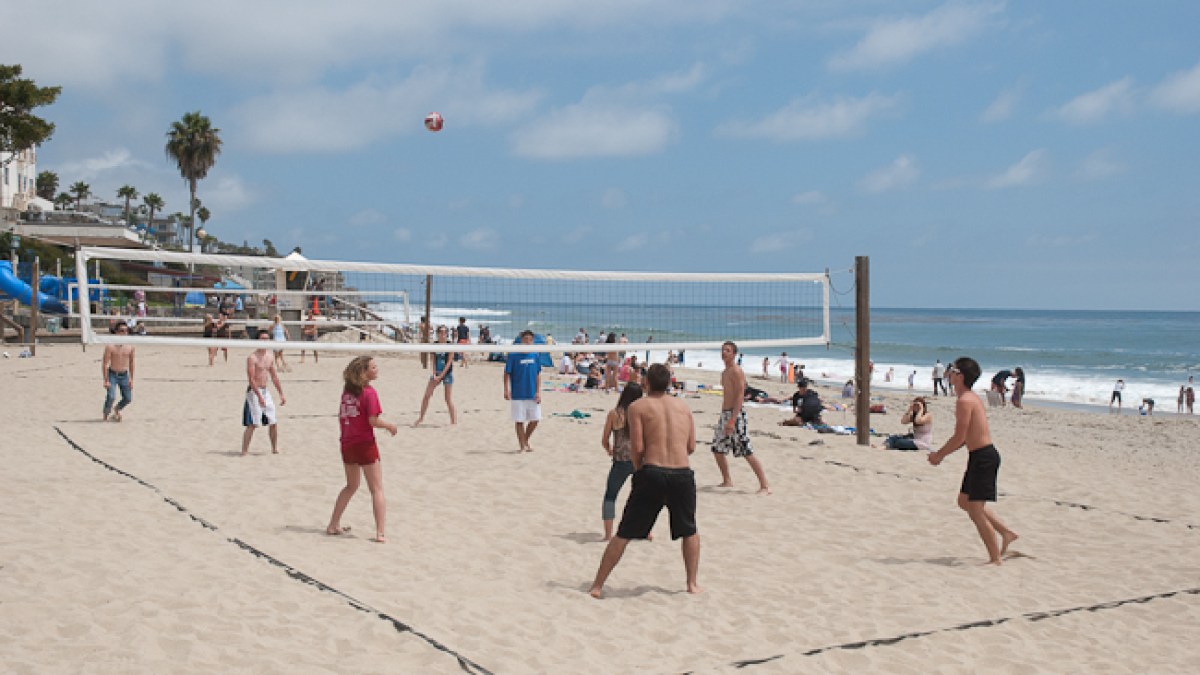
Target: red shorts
[
  {"x": 463, "y": 341},
  {"x": 364, "y": 453}
]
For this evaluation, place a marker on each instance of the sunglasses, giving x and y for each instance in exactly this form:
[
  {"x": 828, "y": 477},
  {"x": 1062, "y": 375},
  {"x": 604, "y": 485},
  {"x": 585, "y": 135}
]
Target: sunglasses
[{"x": 952, "y": 369}]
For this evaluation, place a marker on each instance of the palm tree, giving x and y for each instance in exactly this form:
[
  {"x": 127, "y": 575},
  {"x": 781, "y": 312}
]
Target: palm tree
[
  {"x": 63, "y": 200},
  {"x": 82, "y": 191},
  {"x": 154, "y": 203},
  {"x": 128, "y": 192},
  {"x": 194, "y": 145}
]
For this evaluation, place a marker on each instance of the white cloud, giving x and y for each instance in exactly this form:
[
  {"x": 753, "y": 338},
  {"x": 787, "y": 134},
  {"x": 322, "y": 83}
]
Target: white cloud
[
  {"x": 223, "y": 194},
  {"x": 91, "y": 168},
  {"x": 809, "y": 119},
  {"x": 810, "y": 197},
  {"x": 577, "y": 235},
  {"x": 1059, "y": 240},
  {"x": 1098, "y": 104},
  {"x": 614, "y": 198},
  {"x": 633, "y": 242},
  {"x": 1179, "y": 92},
  {"x": 596, "y": 130},
  {"x": 1029, "y": 170},
  {"x": 892, "y": 42},
  {"x": 402, "y": 234},
  {"x": 367, "y": 217},
  {"x": 1002, "y": 108},
  {"x": 1100, "y": 165},
  {"x": 480, "y": 239},
  {"x": 321, "y": 119},
  {"x": 900, "y": 173},
  {"x": 780, "y": 241}
]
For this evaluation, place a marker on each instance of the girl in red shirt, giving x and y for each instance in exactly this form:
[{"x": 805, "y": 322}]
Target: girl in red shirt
[{"x": 358, "y": 417}]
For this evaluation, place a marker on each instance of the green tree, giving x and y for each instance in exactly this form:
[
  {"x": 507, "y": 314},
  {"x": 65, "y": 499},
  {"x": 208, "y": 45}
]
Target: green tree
[
  {"x": 194, "y": 144},
  {"x": 47, "y": 184},
  {"x": 63, "y": 200},
  {"x": 127, "y": 192},
  {"x": 82, "y": 191},
  {"x": 20, "y": 129},
  {"x": 270, "y": 248},
  {"x": 153, "y": 203}
]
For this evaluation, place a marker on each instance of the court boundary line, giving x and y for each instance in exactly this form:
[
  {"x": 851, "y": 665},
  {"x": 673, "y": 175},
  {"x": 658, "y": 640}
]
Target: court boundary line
[{"x": 466, "y": 664}]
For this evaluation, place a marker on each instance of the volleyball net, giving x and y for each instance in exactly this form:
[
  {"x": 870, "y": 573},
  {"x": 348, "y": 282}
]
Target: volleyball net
[{"x": 178, "y": 299}]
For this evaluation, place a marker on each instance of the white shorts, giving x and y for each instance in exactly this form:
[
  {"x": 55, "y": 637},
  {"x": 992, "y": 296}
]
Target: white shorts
[
  {"x": 255, "y": 415},
  {"x": 526, "y": 411}
]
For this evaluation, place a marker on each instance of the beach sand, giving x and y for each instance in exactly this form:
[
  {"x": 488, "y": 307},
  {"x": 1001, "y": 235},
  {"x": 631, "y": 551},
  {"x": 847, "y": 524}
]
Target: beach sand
[{"x": 152, "y": 546}]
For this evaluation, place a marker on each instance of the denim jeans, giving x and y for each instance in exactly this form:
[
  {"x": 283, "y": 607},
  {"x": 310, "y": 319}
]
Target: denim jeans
[
  {"x": 115, "y": 381},
  {"x": 616, "y": 478}
]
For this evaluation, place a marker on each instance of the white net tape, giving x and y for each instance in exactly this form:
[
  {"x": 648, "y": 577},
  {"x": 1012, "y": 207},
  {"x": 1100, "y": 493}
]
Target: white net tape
[{"x": 374, "y": 307}]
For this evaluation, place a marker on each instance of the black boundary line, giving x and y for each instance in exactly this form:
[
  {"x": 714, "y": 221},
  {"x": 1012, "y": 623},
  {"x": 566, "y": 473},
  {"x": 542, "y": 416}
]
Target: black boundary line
[
  {"x": 985, "y": 623},
  {"x": 1057, "y": 502},
  {"x": 466, "y": 664}
]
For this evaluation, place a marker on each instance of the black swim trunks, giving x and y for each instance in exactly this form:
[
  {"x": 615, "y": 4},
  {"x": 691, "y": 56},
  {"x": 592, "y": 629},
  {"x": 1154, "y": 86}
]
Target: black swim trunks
[
  {"x": 979, "y": 480},
  {"x": 653, "y": 488}
]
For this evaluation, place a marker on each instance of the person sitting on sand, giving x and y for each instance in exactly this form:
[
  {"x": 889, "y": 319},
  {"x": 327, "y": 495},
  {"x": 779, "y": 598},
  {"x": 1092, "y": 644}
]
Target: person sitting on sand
[
  {"x": 979, "y": 481},
  {"x": 615, "y": 440},
  {"x": 358, "y": 417},
  {"x": 921, "y": 419},
  {"x": 806, "y": 406}
]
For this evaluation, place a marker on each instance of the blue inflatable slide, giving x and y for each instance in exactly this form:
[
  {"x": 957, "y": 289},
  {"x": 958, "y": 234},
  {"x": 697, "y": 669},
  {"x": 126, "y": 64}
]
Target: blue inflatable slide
[{"x": 11, "y": 285}]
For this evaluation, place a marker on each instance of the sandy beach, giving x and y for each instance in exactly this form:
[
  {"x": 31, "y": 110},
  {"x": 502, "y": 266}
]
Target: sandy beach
[{"x": 152, "y": 546}]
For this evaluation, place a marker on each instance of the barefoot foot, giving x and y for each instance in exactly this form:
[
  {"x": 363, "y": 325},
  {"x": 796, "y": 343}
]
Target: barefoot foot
[
  {"x": 694, "y": 588},
  {"x": 595, "y": 592},
  {"x": 764, "y": 490},
  {"x": 1006, "y": 539},
  {"x": 379, "y": 538},
  {"x": 334, "y": 531},
  {"x": 725, "y": 484}
]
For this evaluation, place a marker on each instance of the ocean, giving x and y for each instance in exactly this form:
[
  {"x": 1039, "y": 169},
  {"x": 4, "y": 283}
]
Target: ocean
[{"x": 1068, "y": 356}]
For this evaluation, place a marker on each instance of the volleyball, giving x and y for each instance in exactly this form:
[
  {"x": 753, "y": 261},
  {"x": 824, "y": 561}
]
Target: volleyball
[{"x": 433, "y": 121}]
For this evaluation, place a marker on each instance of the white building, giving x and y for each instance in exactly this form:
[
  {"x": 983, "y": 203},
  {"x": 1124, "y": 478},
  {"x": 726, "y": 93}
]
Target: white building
[{"x": 18, "y": 179}]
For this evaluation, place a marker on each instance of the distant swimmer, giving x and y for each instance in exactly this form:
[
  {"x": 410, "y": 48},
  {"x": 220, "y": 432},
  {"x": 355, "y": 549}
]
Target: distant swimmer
[
  {"x": 983, "y": 463},
  {"x": 662, "y": 436}
]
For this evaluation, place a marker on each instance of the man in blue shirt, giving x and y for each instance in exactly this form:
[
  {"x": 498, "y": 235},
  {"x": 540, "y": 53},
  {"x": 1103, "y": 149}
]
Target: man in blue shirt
[{"x": 523, "y": 388}]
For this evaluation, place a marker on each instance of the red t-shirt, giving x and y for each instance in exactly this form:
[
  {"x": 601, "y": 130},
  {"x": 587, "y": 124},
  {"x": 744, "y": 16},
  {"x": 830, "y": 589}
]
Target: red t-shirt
[{"x": 355, "y": 415}]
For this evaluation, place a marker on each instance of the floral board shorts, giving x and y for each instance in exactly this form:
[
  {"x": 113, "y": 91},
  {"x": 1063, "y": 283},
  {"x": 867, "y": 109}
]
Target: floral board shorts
[{"x": 738, "y": 442}]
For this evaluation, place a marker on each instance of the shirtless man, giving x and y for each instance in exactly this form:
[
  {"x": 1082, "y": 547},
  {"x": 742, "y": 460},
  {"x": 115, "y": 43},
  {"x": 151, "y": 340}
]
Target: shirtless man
[
  {"x": 259, "y": 409},
  {"x": 979, "y": 481},
  {"x": 731, "y": 434},
  {"x": 117, "y": 370},
  {"x": 662, "y": 436}
]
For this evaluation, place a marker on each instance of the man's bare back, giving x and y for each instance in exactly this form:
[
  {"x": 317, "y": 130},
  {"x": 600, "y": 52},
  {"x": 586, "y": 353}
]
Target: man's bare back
[
  {"x": 971, "y": 421},
  {"x": 661, "y": 431},
  {"x": 733, "y": 381}
]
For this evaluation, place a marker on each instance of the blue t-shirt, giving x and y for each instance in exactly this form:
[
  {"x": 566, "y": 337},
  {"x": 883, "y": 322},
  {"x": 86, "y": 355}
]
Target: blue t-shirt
[{"x": 523, "y": 370}]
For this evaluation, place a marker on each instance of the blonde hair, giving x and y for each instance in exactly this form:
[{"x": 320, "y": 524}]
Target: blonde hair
[{"x": 355, "y": 374}]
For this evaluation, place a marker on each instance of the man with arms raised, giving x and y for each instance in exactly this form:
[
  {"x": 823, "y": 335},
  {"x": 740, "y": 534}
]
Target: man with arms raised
[
  {"x": 259, "y": 409},
  {"x": 662, "y": 436},
  {"x": 983, "y": 463},
  {"x": 731, "y": 434}
]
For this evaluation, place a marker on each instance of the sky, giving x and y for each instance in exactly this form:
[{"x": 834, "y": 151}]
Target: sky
[{"x": 1012, "y": 154}]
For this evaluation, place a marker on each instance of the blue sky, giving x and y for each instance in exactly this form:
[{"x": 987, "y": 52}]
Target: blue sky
[{"x": 983, "y": 154}]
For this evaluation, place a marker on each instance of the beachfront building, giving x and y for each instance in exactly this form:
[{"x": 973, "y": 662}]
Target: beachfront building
[{"x": 18, "y": 179}]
